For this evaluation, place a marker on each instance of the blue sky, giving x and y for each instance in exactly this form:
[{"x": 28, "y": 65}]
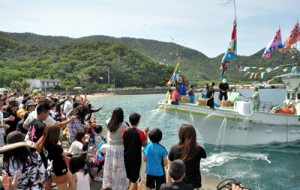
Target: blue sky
[{"x": 203, "y": 25}]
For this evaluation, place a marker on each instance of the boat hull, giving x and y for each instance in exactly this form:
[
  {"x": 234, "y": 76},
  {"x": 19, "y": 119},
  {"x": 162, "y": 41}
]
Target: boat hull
[{"x": 229, "y": 127}]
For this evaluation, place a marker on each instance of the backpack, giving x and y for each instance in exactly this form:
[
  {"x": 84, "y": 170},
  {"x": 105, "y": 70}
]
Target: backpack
[{"x": 98, "y": 157}]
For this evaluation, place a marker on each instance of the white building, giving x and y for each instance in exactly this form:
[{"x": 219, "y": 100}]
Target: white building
[{"x": 43, "y": 84}]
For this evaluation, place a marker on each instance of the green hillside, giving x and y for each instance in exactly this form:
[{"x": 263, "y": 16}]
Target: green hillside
[
  {"x": 131, "y": 61},
  {"x": 87, "y": 61}
]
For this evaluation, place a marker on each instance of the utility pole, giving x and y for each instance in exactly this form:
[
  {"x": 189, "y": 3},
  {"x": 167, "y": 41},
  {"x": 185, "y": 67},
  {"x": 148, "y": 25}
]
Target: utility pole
[{"x": 108, "y": 77}]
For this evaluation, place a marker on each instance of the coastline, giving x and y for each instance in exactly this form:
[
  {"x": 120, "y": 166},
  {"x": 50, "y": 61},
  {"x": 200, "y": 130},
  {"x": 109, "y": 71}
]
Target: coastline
[{"x": 100, "y": 95}]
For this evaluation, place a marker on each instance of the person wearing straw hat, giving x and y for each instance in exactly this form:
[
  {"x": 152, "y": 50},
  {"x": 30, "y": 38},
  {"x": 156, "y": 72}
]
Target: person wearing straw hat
[{"x": 21, "y": 156}]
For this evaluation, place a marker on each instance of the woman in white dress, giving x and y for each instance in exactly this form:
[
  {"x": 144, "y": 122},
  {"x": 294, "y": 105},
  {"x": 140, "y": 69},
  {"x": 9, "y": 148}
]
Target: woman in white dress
[{"x": 114, "y": 175}]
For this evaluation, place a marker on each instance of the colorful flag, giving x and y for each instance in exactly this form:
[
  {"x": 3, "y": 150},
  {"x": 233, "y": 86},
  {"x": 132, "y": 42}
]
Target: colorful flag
[
  {"x": 274, "y": 44},
  {"x": 230, "y": 54},
  {"x": 293, "y": 36},
  {"x": 175, "y": 75}
]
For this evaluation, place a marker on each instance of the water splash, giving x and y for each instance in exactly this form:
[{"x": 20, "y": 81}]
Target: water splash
[
  {"x": 220, "y": 140},
  {"x": 192, "y": 118},
  {"x": 219, "y": 159}
]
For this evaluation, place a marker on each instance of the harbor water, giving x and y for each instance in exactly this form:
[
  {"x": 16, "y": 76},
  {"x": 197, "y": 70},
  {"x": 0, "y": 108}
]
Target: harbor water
[{"x": 262, "y": 167}]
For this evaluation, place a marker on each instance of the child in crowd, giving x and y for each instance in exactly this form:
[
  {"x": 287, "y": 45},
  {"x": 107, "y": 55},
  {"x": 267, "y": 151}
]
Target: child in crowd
[
  {"x": 155, "y": 156},
  {"x": 177, "y": 173},
  {"x": 134, "y": 139},
  {"x": 80, "y": 145},
  {"x": 98, "y": 160},
  {"x": 80, "y": 179},
  {"x": 99, "y": 135}
]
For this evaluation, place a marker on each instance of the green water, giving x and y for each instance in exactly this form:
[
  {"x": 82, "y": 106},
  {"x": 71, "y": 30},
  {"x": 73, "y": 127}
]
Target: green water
[{"x": 267, "y": 167}]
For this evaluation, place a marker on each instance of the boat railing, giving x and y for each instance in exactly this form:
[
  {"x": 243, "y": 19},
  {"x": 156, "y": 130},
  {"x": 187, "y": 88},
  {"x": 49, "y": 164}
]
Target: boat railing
[{"x": 264, "y": 106}]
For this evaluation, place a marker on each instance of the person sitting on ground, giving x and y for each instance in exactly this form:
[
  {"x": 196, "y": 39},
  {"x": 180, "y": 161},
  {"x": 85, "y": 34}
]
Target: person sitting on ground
[
  {"x": 134, "y": 139},
  {"x": 155, "y": 156},
  {"x": 177, "y": 173}
]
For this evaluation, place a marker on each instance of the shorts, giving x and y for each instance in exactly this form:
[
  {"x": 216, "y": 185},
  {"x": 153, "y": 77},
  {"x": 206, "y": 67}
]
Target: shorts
[
  {"x": 133, "y": 172},
  {"x": 61, "y": 179},
  {"x": 155, "y": 181}
]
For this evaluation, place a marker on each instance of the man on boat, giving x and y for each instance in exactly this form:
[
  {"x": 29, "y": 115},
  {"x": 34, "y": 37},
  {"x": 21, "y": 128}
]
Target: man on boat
[
  {"x": 255, "y": 99},
  {"x": 223, "y": 88}
]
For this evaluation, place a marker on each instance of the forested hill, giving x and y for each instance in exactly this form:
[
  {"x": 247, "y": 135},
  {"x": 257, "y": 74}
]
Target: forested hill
[
  {"x": 86, "y": 63},
  {"x": 95, "y": 54}
]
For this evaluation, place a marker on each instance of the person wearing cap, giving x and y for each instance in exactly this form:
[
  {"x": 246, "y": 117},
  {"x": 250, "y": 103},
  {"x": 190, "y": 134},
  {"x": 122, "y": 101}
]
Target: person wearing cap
[
  {"x": 255, "y": 99},
  {"x": 223, "y": 88},
  {"x": 11, "y": 113},
  {"x": 21, "y": 156},
  {"x": 134, "y": 139},
  {"x": 177, "y": 173}
]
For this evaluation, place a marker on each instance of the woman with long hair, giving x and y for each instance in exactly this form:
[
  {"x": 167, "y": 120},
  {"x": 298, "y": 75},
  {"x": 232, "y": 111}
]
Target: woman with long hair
[
  {"x": 114, "y": 175},
  {"x": 49, "y": 148},
  {"x": 190, "y": 152},
  {"x": 23, "y": 158},
  {"x": 78, "y": 124}
]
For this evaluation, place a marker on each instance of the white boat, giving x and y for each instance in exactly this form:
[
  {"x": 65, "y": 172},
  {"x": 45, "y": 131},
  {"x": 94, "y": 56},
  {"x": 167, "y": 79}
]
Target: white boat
[{"x": 239, "y": 125}]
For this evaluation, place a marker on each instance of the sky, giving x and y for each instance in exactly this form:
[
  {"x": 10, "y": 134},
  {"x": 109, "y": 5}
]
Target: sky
[{"x": 203, "y": 25}]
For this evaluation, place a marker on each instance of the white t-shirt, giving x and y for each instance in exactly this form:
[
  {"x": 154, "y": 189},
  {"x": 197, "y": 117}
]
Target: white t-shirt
[
  {"x": 83, "y": 181},
  {"x": 2, "y": 131},
  {"x": 68, "y": 106},
  {"x": 1, "y": 122},
  {"x": 33, "y": 115},
  {"x": 76, "y": 148}
]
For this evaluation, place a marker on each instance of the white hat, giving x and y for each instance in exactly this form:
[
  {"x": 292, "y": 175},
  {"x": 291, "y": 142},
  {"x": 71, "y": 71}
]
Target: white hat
[{"x": 224, "y": 81}]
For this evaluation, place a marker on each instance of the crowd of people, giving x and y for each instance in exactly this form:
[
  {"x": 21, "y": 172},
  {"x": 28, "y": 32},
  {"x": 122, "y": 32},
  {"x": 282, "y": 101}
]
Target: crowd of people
[
  {"x": 51, "y": 141},
  {"x": 33, "y": 130},
  {"x": 41, "y": 120}
]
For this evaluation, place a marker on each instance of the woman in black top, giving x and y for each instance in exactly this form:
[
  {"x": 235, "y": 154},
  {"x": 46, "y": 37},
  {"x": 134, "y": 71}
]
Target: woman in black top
[
  {"x": 188, "y": 150},
  {"x": 50, "y": 149}
]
